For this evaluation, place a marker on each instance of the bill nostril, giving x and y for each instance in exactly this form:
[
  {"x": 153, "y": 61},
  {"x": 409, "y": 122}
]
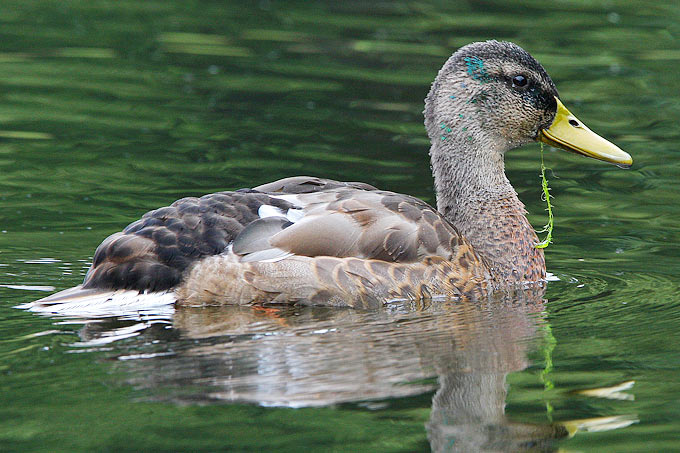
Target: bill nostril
[{"x": 574, "y": 123}]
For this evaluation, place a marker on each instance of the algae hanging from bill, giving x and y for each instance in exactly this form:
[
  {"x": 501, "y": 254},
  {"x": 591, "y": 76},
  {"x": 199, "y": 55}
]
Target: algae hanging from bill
[{"x": 546, "y": 195}]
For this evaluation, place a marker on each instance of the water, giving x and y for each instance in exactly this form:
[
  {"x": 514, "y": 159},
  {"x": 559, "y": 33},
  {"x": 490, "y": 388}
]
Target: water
[{"x": 111, "y": 109}]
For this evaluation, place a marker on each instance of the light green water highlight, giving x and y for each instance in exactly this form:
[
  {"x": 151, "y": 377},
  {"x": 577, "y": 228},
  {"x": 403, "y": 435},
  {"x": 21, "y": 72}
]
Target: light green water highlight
[{"x": 110, "y": 109}]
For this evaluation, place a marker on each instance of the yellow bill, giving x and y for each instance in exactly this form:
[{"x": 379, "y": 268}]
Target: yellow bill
[{"x": 568, "y": 132}]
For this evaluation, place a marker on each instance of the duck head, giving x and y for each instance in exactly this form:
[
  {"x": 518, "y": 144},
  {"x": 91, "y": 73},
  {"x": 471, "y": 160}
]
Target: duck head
[{"x": 493, "y": 96}]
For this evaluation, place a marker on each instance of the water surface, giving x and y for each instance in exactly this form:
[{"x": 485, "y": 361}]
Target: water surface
[{"x": 112, "y": 109}]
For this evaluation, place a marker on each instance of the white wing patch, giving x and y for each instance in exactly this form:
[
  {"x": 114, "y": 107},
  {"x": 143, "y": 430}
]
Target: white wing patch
[
  {"x": 267, "y": 210},
  {"x": 294, "y": 215}
]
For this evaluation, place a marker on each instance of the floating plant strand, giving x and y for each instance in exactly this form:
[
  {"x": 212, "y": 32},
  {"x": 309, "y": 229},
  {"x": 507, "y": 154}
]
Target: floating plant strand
[{"x": 546, "y": 194}]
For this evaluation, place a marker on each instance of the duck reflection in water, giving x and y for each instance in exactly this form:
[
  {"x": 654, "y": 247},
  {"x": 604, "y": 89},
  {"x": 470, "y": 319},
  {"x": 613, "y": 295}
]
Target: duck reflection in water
[{"x": 318, "y": 356}]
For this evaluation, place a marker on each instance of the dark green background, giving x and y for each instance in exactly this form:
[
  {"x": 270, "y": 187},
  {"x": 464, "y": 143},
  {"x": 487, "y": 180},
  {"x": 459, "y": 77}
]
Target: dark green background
[{"x": 112, "y": 108}]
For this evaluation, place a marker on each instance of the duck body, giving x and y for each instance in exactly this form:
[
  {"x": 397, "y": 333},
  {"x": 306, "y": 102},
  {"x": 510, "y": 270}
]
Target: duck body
[
  {"x": 297, "y": 240},
  {"x": 323, "y": 242}
]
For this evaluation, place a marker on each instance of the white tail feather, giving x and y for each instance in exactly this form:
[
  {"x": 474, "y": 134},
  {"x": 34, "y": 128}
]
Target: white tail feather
[{"x": 82, "y": 303}]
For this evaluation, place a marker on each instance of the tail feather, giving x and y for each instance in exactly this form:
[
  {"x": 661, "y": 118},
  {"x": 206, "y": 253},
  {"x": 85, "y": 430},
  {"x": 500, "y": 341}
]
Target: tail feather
[{"x": 93, "y": 302}]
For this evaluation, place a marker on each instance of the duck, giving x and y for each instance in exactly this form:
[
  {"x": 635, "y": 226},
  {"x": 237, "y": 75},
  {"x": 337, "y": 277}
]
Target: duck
[{"x": 315, "y": 241}]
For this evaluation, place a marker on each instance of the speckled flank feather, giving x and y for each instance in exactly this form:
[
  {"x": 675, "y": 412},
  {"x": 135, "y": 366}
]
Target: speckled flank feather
[{"x": 342, "y": 282}]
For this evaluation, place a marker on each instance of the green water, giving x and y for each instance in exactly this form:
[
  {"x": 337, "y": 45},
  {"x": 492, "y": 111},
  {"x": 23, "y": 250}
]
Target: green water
[{"x": 109, "y": 109}]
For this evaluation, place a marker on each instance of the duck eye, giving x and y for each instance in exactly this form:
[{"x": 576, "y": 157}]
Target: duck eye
[{"x": 519, "y": 81}]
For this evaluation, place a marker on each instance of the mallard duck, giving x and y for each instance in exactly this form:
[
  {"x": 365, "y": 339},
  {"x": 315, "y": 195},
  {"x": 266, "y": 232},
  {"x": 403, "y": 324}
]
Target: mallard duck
[{"x": 317, "y": 241}]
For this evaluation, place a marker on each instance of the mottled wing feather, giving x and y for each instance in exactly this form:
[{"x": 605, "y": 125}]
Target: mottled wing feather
[
  {"x": 154, "y": 252},
  {"x": 370, "y": 225},
  {"x": 255, "y": 236},
  {"x": 329, "y": 234}
]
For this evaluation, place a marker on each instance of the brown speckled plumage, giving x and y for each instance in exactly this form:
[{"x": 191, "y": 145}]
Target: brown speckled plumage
[
  {"x": 316, "y": 241},
  {"x": 154, "y": 252}
]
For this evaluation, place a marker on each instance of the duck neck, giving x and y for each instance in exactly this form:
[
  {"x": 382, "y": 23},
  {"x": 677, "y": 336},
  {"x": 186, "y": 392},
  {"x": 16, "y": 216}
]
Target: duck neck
[{"x": 474, "y": 194}]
